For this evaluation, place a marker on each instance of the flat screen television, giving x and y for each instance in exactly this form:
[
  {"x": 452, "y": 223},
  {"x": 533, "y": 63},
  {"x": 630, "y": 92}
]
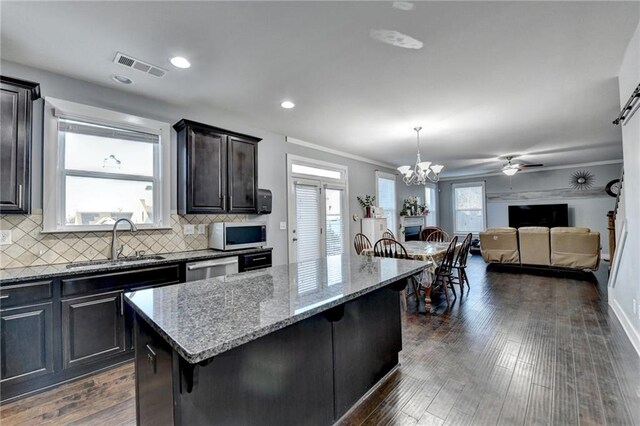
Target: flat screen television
[{"x": 550, "y": 215}]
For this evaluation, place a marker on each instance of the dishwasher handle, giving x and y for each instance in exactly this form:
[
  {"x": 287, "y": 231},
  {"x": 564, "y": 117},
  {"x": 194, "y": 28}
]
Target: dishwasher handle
[{"x": 210, "y": 263}]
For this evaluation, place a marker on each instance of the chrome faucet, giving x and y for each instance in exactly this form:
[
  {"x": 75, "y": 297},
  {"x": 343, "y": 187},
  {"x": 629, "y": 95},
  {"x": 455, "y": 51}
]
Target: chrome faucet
[{"x": 114, "y": 237}]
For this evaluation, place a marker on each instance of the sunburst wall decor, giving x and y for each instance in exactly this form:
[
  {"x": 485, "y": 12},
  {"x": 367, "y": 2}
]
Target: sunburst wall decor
[{"x": 582, "y": 180}]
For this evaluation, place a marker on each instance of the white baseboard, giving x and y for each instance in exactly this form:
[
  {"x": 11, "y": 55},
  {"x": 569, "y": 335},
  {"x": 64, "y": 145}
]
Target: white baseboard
[{"x": 627, "y": 325}]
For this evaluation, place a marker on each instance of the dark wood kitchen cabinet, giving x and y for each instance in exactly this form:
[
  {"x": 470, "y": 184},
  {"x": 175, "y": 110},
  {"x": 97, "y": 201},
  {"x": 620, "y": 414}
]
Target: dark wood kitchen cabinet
[
  {"x": 93, "y": 328},
  {"x": 217, "y": 170},
  {"x": 16, "y": 104},
  {"x": 26, "y": 342}
]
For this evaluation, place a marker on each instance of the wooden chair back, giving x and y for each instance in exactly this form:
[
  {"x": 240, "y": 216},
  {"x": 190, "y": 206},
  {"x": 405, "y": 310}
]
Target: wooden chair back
[
  {"x": 463, "y": 253},
  {"x": 387, "y": 247},
  {"x": 428, "y": 230},
  {"x": 446, "y": 265},
  {"x": 361, "y": 242},
  {"x": 438, "y": 237},
  {"x": 388, "y": 234}
]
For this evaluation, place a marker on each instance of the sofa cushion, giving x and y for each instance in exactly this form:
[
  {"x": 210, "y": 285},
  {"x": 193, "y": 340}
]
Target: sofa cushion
[
  {"x": 534, "y": 245},
  {"x": 575, "y": 248},
  {"x": 500, "y": 245}
]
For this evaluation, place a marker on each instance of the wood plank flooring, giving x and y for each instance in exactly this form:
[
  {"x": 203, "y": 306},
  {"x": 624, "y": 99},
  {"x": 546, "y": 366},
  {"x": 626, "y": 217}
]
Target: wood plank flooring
[{"x": 515, "y": 350}]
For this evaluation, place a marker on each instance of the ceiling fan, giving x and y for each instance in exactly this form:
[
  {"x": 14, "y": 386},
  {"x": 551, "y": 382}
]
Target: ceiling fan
[{"x": 511, "y": 169}]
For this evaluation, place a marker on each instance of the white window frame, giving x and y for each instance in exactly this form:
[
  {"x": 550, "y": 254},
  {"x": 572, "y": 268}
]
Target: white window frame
[
  {"x": 396, "y": 216},
  {"x": 436, "y": 201},
  {"x": 325, "y": 182},
  {"x": 53, "y": 208},
  {"x": 454, "y": 186}
]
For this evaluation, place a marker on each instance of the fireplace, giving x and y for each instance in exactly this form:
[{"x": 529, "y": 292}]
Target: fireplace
[{"x": 412, "y": 233}]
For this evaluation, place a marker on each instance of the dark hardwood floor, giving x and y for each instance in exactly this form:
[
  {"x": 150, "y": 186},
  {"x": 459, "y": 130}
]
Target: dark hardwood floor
[{"x": 516, "y": 349}]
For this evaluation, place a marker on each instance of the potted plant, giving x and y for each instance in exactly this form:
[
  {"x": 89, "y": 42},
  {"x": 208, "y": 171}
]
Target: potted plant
[{"x": 366, "y": 203}]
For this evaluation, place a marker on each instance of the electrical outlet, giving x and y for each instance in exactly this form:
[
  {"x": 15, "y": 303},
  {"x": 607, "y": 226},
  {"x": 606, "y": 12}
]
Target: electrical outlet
[
  {"x": 189, "y": 229},
  {"x": 202, "y": 228},
  {"x": 283, "y": 226},
  {"x": 5, "y": 237}
]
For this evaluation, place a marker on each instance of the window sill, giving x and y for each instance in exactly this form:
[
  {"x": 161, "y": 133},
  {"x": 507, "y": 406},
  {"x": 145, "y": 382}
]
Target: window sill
[{"x": 124, "y": 227}]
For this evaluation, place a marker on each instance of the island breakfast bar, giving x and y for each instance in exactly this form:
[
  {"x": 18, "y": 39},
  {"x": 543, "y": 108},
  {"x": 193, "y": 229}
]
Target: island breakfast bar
[{"x": 297, "y": 344}]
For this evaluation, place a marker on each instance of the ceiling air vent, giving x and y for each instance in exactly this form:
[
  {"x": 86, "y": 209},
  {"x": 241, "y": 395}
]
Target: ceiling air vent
[{"x": 137, "y": 64}]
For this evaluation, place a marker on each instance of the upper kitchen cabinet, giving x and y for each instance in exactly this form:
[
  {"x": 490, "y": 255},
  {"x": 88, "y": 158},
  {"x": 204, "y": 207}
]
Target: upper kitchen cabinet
[
  {"x": 16, "y": 98},
  {"x": 217, "y": 170}
]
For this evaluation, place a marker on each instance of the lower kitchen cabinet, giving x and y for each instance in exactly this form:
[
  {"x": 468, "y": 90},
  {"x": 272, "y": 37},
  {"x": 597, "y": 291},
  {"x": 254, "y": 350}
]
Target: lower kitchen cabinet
[
  {"x": 93, "y": 328},
  {"x": 26, "y": 343}
]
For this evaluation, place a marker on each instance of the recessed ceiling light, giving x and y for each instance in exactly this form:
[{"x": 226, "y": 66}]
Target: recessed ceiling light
[
  {"x": 287, "y": 104},
  {"x": 180, "y": 62},
  {"x": 404, "y": 5},
  {"x": 121, "y": 79}
]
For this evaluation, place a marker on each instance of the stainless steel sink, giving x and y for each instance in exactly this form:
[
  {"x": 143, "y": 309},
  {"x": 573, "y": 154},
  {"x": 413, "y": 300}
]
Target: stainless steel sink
[{"x": 120, "y": 261}]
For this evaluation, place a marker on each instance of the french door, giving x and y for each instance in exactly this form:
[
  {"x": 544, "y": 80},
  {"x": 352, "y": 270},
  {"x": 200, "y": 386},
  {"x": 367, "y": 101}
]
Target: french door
[{"x": 317, "y": 220}]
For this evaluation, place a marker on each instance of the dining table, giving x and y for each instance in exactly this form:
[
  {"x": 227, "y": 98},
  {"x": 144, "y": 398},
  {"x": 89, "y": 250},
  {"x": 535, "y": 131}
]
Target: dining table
[{"x": 426, "y": 251}]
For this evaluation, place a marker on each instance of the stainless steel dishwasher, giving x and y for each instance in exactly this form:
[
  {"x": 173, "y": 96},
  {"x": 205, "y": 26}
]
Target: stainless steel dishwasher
[{"x": 212, "y": 268}]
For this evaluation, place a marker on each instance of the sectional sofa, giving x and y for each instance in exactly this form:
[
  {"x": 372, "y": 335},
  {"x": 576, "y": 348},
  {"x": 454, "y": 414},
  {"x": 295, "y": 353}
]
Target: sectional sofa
[{"x": 571, "y": 247}]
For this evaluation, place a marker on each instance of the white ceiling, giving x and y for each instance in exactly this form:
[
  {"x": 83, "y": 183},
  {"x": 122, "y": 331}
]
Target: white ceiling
[{"x": 493, "y": 78}]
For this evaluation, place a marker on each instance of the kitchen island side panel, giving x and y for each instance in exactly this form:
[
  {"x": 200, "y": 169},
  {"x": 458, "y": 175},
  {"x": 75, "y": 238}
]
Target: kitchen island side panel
[
  {"x": 284, "y": 378},
  {"x": 366, "y": 342}
]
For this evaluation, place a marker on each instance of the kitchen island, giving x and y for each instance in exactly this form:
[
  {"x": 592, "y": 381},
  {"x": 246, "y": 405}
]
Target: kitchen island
[{"x": 293, "y": 344}]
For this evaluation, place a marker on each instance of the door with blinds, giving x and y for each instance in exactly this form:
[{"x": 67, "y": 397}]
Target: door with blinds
[
  {"x": 319, "y": 228},
  {"x": 317, "y": 200}
]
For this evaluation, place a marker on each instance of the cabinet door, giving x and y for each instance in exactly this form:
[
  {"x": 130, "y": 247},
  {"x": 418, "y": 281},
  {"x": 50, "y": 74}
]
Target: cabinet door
[
  {"x": 26, "y": 343},
  {"x": 207, "y": 171},
  {"x": 93, "y": 328},
  {"x": 14, "y": 149},
  {"x": 243, "y": 175}
]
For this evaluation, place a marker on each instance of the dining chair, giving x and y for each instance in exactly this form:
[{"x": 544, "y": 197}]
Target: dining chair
[
  {"x": 361, "y": 242},
  {"x": 438, "y": 237},
  {"x": 428, "y": 230},
  {"x": 388, "y": 234},
  {"x": 460, "y": 264},
  {"x": 388, "y": 247},
  {"x": 442, "y": 275}
]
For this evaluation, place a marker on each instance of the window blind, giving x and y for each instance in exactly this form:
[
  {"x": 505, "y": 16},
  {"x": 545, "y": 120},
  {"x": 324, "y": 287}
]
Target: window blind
[{"x": 308, "y": 222}]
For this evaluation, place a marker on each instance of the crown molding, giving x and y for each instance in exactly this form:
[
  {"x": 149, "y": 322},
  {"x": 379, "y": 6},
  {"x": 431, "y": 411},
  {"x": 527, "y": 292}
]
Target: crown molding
[
  {"x": 299, "y": 142},
  {"x": 536, "y": 170}
]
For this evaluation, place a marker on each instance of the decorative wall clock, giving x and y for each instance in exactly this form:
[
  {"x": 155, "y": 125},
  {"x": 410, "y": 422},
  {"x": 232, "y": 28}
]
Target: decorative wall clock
[
  {"x": 582, "y": 180},
  {"x": 613, "y": 187}
]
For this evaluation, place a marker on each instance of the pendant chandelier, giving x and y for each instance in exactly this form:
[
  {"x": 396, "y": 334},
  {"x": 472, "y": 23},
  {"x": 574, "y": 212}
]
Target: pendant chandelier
[{"x": 422, "y": 171}]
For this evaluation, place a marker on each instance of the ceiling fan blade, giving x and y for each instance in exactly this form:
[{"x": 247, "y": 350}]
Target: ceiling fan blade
[{"x": 530, "y": 165}]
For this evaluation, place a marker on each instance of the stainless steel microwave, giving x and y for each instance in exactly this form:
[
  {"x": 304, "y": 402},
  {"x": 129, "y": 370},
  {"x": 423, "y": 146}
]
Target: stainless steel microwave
[{"x": 240, "y": 235}]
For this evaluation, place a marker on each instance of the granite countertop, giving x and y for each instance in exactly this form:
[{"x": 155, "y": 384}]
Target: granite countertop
[
  {"x": 8, "y": 276},
  {"x": 201, "y": 319}
]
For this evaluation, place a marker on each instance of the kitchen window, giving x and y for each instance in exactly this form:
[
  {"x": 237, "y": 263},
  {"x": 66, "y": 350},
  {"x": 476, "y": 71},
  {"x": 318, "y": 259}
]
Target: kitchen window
[
  {"x": 469, "y": 208},
  {"x": 100, "y": 166}
]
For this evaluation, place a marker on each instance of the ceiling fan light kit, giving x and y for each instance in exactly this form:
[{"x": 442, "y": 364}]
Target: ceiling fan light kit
[{"x": 423, "y": 171}]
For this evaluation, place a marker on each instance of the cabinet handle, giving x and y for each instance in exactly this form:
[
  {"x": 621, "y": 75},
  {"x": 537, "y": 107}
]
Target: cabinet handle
[
  {"x": 121, "y": 304},
  {"x": 260, "y": 258},
  {"x": 20, "y": 196},
  {"x": 230, "y": 202},
  {"x": 4, "y": 296}
]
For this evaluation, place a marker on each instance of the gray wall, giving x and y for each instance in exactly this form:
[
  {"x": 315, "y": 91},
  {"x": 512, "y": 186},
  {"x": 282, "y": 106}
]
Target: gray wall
[
  {"x": 588, "y": 212},
  {"x": 272, "y": 149}
]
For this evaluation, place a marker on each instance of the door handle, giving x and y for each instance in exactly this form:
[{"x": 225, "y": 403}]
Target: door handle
[{"x": 294, "y": 239}]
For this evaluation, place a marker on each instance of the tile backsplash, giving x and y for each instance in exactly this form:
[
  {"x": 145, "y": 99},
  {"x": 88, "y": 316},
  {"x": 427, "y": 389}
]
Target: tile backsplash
[{"x": 30, "y": 247}]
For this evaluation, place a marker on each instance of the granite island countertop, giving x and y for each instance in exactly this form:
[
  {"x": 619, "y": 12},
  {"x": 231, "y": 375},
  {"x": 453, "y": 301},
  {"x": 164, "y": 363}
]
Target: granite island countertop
[
  {"x": 11, "y": 275},
  {"x": 202, "y": 319}
]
